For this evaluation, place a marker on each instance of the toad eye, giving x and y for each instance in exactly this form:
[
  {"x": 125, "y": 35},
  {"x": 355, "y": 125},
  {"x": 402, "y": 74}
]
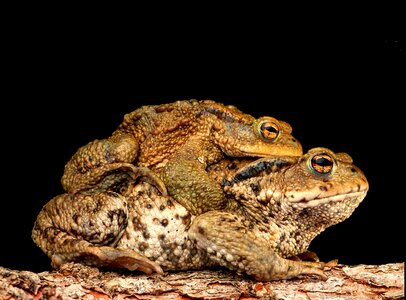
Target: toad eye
[
  {"x": 322, "y": 163},
  {"x": 268, "y": 130}
]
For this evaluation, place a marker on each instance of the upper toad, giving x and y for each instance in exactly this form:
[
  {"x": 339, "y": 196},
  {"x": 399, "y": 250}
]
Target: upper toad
[{"x": 179, "y": 140}]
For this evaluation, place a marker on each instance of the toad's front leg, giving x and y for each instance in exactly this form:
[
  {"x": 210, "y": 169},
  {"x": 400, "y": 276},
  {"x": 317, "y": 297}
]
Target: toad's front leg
[
  {"x": 85, "y": 228},
  {"x": 231, "y": 242},
  {"x": 187, "y": 180}
]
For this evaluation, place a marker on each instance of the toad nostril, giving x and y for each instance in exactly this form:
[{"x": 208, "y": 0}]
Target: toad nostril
[
  {"x": 353, "y": 170},
  {"x": 294, "y": 140}
]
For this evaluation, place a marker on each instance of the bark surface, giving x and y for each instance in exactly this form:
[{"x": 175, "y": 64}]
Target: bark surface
[{"x": 75, "y": 281}]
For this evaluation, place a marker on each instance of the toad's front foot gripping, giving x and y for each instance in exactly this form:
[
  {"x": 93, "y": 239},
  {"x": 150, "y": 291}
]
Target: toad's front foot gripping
[{"x": 189, "y": 184}]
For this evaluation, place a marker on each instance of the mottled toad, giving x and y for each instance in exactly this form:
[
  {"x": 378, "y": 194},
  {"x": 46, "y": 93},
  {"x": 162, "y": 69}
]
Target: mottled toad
[{"x": 276, "y": 206}]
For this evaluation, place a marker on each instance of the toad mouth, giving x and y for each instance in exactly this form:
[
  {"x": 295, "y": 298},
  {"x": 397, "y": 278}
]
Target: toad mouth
[{"x": 305, "y": 203}]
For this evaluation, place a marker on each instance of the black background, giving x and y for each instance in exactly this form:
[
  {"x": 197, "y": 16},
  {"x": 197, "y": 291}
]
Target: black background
[{"x": 341, "y": 91}]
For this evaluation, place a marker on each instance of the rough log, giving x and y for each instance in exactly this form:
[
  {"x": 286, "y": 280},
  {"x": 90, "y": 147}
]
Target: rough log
[{"x": 74, "y": 281}]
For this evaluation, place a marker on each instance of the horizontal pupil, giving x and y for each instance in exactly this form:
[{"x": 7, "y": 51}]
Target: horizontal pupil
[
  {"x": 269, "y": 128},
  {"x": 323, "y": 162}
]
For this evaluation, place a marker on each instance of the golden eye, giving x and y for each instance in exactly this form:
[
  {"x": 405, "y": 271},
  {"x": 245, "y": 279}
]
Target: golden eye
[
  {"x": 268, "y": 130},
  {"x": 322, "y": 163}
]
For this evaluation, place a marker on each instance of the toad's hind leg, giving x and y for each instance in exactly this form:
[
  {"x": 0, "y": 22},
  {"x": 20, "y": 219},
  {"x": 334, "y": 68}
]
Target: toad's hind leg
[
  {"x": 110, "y": 176},
  {"x": 230, "y": 242},
  {"x": 85, "y": 229},
  {"x": 94, "y": 161}
]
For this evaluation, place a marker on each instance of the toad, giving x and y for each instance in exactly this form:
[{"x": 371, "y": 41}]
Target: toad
[
  {"x": 179, "y": 141},
  {"x": 276, "y": 207}
]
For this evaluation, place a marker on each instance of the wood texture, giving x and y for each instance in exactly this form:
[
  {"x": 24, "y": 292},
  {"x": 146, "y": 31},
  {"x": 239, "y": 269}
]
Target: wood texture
[{"x": 74, "y": 281}]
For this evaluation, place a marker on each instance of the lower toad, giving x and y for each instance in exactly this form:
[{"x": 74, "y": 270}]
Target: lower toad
[{"x": 276, "y": 207}]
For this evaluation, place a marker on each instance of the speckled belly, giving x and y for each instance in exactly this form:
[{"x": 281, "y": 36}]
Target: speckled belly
[{"x": 157, "y": 228}]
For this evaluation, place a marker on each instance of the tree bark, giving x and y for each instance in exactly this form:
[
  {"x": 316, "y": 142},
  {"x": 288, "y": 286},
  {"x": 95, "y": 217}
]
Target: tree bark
[{"x": 75, "y": 281}]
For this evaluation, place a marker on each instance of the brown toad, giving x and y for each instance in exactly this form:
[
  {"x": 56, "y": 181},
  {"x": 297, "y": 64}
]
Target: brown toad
[
  {"x": 180, "y": 140},
  {"x": 277, "y": 206}
]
